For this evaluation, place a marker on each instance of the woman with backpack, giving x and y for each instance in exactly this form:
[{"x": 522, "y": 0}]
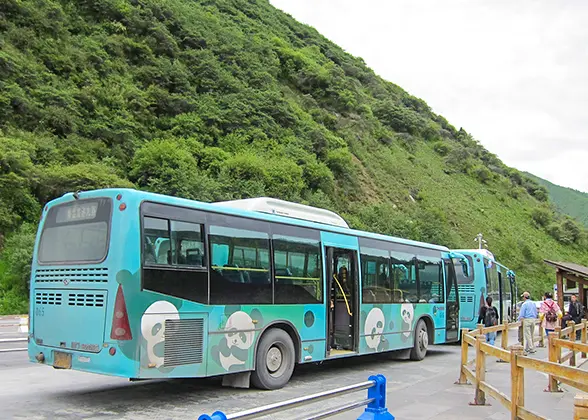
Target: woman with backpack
[
  {"x": 489, "y": 317},
  {"x": 549, "y": 314}
]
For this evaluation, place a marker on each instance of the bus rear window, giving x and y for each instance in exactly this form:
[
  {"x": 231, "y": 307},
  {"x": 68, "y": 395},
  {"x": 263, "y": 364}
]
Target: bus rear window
[
  {"x": 461, "y": 277},
  {"x": 76, "y": 232}
]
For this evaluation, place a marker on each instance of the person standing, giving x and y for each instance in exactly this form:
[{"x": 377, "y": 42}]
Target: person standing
[
  {"x": 549, "y": 313},
  {"x": 489, "y": 317},
  {"x": 527, "y": 316},
  {"x": 575, "y": 312}
]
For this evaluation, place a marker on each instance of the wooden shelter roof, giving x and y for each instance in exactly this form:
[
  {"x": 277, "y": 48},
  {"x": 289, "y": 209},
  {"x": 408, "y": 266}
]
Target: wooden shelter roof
[{"x": 575, "y": 269}]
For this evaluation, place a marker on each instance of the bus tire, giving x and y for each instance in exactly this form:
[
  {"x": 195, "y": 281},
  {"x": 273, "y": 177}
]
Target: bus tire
[
  {"x": 421, "y": 341},
  {"x": 274, "y": 360}
]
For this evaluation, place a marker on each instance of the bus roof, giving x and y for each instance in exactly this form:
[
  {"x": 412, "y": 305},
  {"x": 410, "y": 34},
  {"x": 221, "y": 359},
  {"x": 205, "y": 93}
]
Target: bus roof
[
  {"x": 288, "y": 209},
  {"x": 483, "y": 252},
  {"x": 222, "y": 207}
]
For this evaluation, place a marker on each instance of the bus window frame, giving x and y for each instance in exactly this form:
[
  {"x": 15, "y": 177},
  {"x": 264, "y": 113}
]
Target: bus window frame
[
  {"x": 149, "y": 208},
  {"x": 171, "y": 213},
  {"x": 441, "y": 278}
]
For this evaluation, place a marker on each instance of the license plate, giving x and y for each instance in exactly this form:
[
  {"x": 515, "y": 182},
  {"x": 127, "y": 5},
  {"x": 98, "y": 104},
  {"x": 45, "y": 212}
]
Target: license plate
[{"x": 61, "y": 360}]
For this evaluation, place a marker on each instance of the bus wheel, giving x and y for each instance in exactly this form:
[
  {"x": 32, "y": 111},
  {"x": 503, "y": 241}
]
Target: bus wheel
[
  {"x": 274, "y": 361},
  {"x": 421, "y": 341}
]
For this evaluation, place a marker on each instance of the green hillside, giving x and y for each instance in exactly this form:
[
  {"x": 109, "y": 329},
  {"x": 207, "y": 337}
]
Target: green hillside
[
  {"x": 566, "y": 200},
  {"x": 216, "y": 100}
]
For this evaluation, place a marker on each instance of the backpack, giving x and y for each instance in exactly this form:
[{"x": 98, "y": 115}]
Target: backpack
[
  {"x": 491, "y": 317},
  {"x": 551, "y": 315}
]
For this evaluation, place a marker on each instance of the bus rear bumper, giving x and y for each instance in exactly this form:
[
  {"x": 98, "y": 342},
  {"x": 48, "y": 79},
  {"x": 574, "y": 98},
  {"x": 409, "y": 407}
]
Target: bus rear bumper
[{"x": 103, "y": 362}]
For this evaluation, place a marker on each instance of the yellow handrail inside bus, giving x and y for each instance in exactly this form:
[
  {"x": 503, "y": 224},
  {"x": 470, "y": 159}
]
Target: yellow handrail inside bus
[{"x": 343, "y": 293}]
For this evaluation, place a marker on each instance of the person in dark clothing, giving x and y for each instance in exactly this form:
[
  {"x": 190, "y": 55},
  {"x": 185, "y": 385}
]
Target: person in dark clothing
[
  {"x": 489, "y": 317},
  {"x": 575, "y": 312}
]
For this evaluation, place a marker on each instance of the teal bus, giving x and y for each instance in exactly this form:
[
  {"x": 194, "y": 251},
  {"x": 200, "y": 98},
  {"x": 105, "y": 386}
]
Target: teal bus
[
  {"x": 488, "y": 277},
  {"x": 142, "y": 285}
]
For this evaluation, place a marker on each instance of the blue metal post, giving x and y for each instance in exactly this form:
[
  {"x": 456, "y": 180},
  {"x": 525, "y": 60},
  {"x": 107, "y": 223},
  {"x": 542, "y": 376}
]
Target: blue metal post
[
  {"x": 377, "y": 410},
  {"x": 217, "y": 415}
]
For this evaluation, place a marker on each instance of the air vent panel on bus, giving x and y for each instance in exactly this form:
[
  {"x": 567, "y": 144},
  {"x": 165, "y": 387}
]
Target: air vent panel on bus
[
  {"x": 72, "y": 275},
  {"x": 466, "y": 288},
  {"x": 184, "y": 342},
  {"x": 87, "y": 299},
  {"x": 48, "y": 298}
]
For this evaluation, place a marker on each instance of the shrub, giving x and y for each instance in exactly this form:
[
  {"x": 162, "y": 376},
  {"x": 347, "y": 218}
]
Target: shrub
[
  {"x": 482, "y": 174},
  {"x": 15, "y": 265},
  {"x": 542, "y": 216},
  {"x": 340, "y": 161},
  {"x": 58, "y": 180},
  {"x": 442, "y": 148}
]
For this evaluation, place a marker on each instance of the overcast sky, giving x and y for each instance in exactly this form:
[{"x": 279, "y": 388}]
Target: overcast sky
[{"x": 514, "y": 74}]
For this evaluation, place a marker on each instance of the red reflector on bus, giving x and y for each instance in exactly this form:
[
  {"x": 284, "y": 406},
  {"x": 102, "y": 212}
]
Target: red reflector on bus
[
  {"x": 121, "y": 329},
  {"x": 122, "y": 206}
]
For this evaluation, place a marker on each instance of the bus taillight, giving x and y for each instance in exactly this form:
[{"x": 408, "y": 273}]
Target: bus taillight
[{"x": 121, "y": 330}]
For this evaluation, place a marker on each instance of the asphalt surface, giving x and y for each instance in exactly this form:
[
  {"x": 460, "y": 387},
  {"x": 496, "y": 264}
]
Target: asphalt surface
[{"x": 416, "y": 390}]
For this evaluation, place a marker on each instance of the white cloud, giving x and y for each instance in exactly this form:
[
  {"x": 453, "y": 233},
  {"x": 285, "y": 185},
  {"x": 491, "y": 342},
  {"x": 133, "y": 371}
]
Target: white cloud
[{"x": 513, "y": 74}]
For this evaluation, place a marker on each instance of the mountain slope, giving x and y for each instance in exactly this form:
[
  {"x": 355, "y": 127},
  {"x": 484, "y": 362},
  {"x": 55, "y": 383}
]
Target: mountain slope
[
  {"x": 567, "y": 200},
  {"x": 216, "y": 100}
]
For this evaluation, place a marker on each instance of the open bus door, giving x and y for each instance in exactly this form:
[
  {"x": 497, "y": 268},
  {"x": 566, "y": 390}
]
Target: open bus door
[
  {"x": 502, "y": 288},
  {"x": 342, "y": 265},
  {"x": 452, "y": 296},
  {"x": 514, "y": 295}
]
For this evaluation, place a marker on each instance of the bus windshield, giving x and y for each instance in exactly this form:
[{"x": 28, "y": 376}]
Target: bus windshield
[{"x": 76, "y": 232}]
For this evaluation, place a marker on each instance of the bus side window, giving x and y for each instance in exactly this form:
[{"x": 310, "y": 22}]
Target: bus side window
[
  {"x": 188, "y": 243},
  {"x": 404, "y": 276},
  {"x": 430, "y": 281},
  {"x": 156, "y": 241},
  {"x": 297, "y": 275},
  {"x": 167, "y": 269},
  {"x": 377, "y": 286},
  {"x": 240, "y": 269}
]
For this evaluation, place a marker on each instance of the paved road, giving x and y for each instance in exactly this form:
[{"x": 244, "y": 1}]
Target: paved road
[{"x": 416, "y": 390}]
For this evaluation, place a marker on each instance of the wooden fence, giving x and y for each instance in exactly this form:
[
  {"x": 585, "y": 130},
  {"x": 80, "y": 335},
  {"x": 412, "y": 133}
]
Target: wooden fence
[{"x": 557, "y": 373}]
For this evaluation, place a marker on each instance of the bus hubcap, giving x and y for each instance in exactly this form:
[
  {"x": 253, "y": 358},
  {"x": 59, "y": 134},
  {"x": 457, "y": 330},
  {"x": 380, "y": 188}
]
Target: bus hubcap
[
  {"x": 424, "y": 340},
  {"x": 273, "y": 359}
]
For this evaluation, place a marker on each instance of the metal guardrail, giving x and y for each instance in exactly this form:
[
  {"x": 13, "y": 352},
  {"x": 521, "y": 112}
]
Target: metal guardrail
[
  {"x": 375, "y": 410},
  {"x": 13, "y": 350},
  {"x": 22, "y": 324},
  {"x": 12, "y": 340}
]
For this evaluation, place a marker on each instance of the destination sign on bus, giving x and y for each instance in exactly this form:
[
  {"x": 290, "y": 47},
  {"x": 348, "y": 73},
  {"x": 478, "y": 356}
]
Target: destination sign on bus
[{"x": 77, "y": 212}]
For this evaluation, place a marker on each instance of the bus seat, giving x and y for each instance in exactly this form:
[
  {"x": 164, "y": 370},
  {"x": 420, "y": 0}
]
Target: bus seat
[
  {"x": 283, "y": 272},
  {"x": 163, "y": 253},
  {"x": 259, "y": 277},
  {"x": 149, "y": 253},
  {"x": 194, "y": 257},
  {"x": 369, "y": 296},
  {"x": 234, "y": 276}
]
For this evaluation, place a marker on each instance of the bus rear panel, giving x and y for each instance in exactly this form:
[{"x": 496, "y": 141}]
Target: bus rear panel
[{"x": 74, "y": 285}]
